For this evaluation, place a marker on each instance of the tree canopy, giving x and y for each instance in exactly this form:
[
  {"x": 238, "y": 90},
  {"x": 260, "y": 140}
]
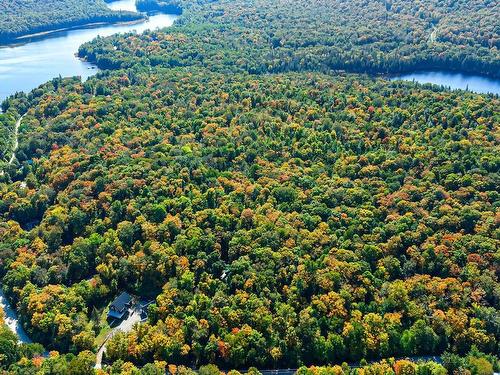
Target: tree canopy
[
  {"x": 22, "y": 17},
  {"x": 262, "y": 36},
  {"x": 278, "y": 216}
]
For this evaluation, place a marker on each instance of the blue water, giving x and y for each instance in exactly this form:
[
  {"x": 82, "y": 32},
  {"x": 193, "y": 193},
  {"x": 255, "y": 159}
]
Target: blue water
[
  {"x": 26, "y": 66},
  {"x": 11, "y": 319},
  {"x": 453, "y": 80}
]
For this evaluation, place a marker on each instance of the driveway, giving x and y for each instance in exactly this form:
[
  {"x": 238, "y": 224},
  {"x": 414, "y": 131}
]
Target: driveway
[{"x": 125, "y": 325}]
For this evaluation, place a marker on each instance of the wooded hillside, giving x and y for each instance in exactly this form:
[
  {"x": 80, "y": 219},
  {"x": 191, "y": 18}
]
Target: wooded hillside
[
  {"x": 294, "y": 35},
  {"x": 22, "y": 17},
  {"x": 277, "y": 216}
]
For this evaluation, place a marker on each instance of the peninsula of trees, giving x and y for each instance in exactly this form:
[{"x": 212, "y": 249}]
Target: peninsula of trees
[
  {"x": 170, "y": 6},
  {"x": 24, "y": 17},
  {"x": 366, "y": 36}
]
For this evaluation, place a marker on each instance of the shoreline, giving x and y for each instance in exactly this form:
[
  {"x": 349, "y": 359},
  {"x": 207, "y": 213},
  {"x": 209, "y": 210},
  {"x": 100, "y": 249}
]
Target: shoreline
[
  {"x": 25, "y": 38},
  {"x": 449, "y": 79},
  {"x": 12, "y": 320},
  {"x": 448, "y": 70}
]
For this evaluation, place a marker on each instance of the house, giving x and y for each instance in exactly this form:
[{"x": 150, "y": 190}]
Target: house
[
  {"x": 143, "y": 309},
  {"x": 120, "y": 306}
]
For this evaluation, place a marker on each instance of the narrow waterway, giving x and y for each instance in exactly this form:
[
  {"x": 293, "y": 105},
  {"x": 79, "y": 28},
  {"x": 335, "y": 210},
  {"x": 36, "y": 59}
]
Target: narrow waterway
[
  {"x": 11, "y": 319},
  {"x": 25, "y": 66}
]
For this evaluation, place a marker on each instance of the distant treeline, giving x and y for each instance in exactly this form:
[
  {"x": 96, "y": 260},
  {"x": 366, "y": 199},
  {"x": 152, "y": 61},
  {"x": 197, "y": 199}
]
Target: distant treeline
[
  {"x": 283, "y": 36},
  {"x": 171, "y": 7},
  {"x": 24, "y": 17}
]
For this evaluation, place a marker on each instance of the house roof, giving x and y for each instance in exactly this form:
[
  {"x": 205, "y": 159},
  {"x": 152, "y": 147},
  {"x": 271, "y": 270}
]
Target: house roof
[
  {"x": 121, "y": 302},
  {"x": 115, "y": 314}
]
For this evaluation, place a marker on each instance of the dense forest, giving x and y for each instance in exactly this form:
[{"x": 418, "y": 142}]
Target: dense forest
[
  {"x": 277, "y": 213},
  {"x": 280, "y": 220},
  {"x": 170, "y": 7},
  {"x": 25, "y": 359},
  {"x": 22, "y": 17},
  {"x": 295, "y": 35}
]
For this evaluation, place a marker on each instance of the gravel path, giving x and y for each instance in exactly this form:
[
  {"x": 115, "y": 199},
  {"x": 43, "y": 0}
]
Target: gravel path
[
  {"x": 125, "y": 326},
  {"x": 16, "y": 139}
]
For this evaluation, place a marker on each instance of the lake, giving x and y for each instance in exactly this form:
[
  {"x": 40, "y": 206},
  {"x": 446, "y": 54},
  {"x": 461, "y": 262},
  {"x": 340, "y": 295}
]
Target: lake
[
  {"x": 453, "y": 80},
  {"x": 25, "y": 66}
]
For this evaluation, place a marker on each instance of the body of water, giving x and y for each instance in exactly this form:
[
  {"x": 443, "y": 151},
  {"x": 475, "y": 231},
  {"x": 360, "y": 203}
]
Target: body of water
[
  {"x": 25, "y": 66},
  {"x": 11, "y": 319},
  {"x": 462, "y": 81},
  {"x": 36, "y": 60}
]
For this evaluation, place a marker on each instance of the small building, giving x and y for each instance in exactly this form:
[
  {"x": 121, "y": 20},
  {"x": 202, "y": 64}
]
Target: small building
[{"x": 120, "y": 306}]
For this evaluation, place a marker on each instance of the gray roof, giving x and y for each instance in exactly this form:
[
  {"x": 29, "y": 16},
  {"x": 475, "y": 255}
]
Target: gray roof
[
  {"x": 121, "y": 303},
  {"x": 115, "y": 314}
]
